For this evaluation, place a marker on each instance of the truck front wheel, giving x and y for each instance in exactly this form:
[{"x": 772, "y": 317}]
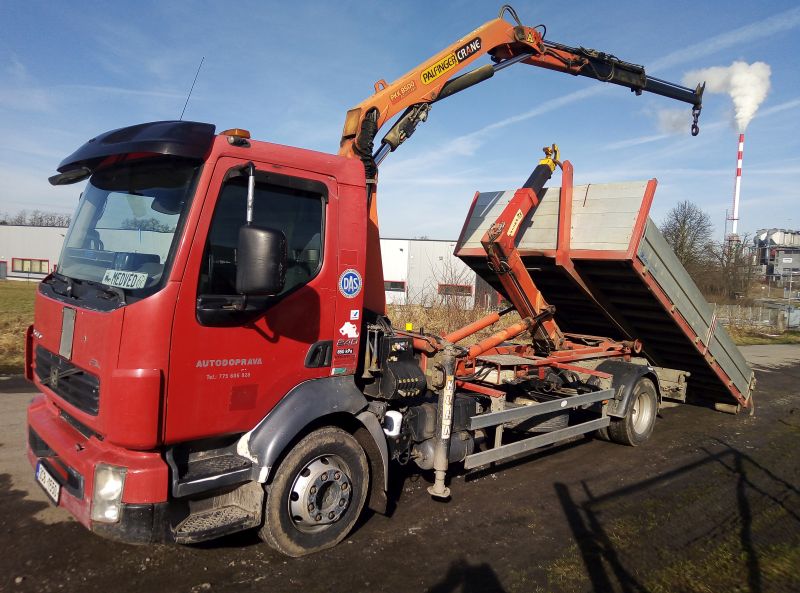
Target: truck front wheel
[
  {"x": 637, "y": 425},
  {"x": 317, "y": 493}
]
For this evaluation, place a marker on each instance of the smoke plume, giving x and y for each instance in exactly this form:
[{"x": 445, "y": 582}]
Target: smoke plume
[
  {"x": 672, "y": 121},
  {"x": 747, "y": 84}
]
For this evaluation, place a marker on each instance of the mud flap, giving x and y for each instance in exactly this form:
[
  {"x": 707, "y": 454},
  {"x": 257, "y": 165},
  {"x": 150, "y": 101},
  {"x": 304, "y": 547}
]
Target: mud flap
[{"x": 625, "y": 377}]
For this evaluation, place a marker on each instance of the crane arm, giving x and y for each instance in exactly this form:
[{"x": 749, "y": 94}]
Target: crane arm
[
  {"x": 507, "y": 44},
  {"x": 447, "y": 73}
]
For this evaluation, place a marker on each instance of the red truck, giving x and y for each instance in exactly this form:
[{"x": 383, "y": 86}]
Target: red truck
[{"x": 212, "y": 352}]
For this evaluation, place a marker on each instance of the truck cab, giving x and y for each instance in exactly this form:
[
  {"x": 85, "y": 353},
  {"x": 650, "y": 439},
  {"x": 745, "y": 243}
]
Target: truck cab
[{"x": 152, "y": 365}]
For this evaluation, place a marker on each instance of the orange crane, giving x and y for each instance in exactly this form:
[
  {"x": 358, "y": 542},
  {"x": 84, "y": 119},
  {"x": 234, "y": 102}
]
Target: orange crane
[{"x": 413, "y": 94}]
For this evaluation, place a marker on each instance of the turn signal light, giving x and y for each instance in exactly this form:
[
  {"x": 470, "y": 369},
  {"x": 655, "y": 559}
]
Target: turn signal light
[{"x": 237, "y": 133}]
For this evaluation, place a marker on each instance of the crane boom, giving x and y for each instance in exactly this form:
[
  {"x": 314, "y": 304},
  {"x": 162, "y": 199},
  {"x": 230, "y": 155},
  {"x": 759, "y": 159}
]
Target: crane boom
[
  {"x": 507, "y": 44},
  {"x": 443, "y": 75}
]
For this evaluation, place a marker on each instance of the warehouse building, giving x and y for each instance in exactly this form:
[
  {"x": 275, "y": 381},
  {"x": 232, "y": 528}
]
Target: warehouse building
[
  {"x": 425, "y": 272},
  {"x": 29, "y": 252},
  {"x": 416, "y": 271}
]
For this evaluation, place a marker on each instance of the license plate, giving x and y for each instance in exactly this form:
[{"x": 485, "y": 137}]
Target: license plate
[{"x": 48, "y": 482}]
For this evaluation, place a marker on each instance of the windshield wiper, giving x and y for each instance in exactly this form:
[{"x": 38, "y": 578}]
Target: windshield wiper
[
  {"x": 66, "y": 280},
  {"x": 108, "y": 291},
  {"x": 111, "y": 291}
]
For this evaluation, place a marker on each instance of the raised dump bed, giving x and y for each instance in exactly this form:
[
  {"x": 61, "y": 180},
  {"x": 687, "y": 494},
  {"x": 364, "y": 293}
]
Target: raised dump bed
[{"x": 598, "y": 258}]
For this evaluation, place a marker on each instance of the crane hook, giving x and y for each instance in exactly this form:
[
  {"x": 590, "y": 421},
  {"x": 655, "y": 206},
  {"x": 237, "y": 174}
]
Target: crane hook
[{"x": 695, "y": 118}]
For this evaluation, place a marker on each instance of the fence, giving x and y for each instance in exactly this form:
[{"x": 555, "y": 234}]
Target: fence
[{"x": 765, "y": 317}]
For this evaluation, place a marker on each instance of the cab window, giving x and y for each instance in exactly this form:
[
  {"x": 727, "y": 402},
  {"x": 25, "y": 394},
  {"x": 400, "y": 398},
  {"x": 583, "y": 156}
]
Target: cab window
[{"x": 293, "y": 205}]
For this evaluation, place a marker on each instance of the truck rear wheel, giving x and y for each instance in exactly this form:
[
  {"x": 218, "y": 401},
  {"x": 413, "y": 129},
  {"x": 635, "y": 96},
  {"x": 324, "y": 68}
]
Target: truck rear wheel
[
  {"x": 637, "y": 425},
  {"x": 317, "y": 493}
]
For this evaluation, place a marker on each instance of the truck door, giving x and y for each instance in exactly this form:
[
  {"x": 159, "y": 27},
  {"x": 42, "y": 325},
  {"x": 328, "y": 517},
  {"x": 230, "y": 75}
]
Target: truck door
[{"x": 229, "y": 367}]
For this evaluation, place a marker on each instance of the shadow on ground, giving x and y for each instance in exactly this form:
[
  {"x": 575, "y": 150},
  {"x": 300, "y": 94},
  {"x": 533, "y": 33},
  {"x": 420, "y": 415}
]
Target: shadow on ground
[{"x": 749, "y": 517}]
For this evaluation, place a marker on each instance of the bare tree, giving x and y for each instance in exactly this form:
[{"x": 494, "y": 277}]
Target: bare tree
[
  {"x": 146, "y": 224},
  {"x": 688, "y": 231},
  {"x": 734, "y": 269},
  {"x": 36, "y": 218},
  {"x": 20, "y": 218},
  {"x": 723, "y": 271}
]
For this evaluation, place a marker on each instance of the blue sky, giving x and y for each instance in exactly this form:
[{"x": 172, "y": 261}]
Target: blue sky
[{"x": 288, "y": 72}]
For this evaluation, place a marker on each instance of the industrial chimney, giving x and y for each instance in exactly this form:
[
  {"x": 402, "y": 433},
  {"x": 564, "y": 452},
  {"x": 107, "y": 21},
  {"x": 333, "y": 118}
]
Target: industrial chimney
[{"x": 734, "y": 218}]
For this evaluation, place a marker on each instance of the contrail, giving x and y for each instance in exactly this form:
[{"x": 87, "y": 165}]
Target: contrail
[
  {"x": 785, "y": 21},
  {"x": 467, "y": 144},
  {"x": 779, "y": 23}
]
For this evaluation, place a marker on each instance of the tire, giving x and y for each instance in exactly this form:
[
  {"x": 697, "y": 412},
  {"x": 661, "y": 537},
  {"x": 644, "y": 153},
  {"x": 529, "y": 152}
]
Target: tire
[
  {"x": 602, "y": 434},
  {"x": 303, "y": 510},
  {"x": 637, "y": 425}
]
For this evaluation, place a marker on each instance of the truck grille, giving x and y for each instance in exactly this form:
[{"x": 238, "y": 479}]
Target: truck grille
[{"x": 73, "y": 385}]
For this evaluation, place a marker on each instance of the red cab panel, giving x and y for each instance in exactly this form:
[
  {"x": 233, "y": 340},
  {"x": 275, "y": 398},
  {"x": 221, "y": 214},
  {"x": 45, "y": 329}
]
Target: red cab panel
[{"x": 225, "y": 378}]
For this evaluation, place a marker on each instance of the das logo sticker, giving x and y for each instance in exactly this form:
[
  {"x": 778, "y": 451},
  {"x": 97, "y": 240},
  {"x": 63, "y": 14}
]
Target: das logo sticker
[{"x": 350, "y": 283}]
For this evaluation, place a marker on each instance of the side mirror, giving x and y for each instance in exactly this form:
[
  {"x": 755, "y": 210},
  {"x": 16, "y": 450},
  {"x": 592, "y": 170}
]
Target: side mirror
[{"x": 261, "y": 261}]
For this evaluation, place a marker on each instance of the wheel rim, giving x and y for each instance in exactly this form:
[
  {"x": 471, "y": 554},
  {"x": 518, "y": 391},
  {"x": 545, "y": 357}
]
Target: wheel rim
[
  {"x": 642, "y": 413},
  {"x": 321, "y": 494}
]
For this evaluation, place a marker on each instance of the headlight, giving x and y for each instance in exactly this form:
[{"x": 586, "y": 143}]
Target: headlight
[{"x": 109, "y": 481}]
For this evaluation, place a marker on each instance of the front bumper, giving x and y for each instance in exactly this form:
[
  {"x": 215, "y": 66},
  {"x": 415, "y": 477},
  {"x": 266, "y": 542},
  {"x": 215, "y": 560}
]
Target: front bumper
[
  {"x": 138, "y": 524},
  {"x": 71, "y": 457}
]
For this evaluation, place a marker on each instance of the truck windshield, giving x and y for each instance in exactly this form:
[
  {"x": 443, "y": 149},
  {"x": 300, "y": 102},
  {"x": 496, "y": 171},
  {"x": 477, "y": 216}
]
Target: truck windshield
[{"x": 124, "y": 230}]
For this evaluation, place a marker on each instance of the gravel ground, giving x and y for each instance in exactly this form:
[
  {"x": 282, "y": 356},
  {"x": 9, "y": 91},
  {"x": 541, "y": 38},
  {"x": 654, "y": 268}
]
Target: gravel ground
[{"x": 711, "y": 503}]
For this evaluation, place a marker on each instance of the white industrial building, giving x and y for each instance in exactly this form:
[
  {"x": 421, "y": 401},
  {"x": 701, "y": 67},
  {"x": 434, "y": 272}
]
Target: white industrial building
[
  {"x": 422, "y": 271},
  {"x": 416, "y": 271},
  {"x": 29, "y": 252}
]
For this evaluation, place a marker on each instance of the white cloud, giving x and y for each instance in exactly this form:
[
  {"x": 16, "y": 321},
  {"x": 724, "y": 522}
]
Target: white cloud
[
  {"x": 30, "y": 99},
  {"x": 781, "y": 107},
  {"x": 763, "y": 29},
  {"x": 630, "y": 142},
  {"x": 21, "y": 92},
  {"x": 132, "y": 92},
  {"x": 28, "y": 188}
]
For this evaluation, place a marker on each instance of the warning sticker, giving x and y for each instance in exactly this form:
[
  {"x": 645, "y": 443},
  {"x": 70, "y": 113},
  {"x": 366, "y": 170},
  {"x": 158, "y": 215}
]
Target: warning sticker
[
  {"x": 512, "y": 229},
  {"x": 122, "y": 279},
  {"x": 451, "y": 60}
]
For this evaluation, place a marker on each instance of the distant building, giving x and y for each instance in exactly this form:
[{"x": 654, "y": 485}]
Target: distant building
[
  {"x": 425, "y": 272},
  {"x": 29, "y": 252},
  {"x": 787, "y": 262},
  {"x": 778, "y": 254},
  {"x": 415, "y": 271}
]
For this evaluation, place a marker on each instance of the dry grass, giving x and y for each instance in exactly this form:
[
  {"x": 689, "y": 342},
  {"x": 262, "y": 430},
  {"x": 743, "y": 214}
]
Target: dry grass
[
  {"x": 445, "y": 319},
  {"x": 751, "y": 337},
  {"x": 16, "y": 314}
]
